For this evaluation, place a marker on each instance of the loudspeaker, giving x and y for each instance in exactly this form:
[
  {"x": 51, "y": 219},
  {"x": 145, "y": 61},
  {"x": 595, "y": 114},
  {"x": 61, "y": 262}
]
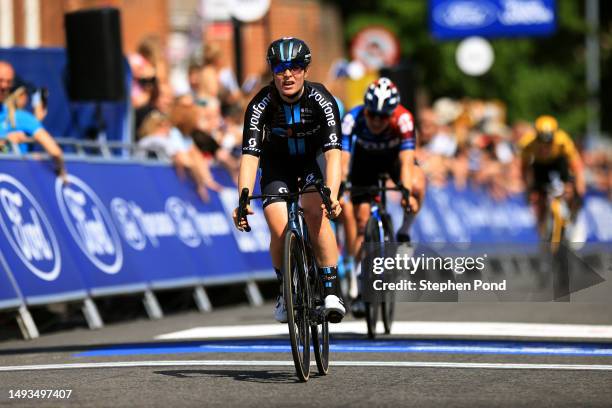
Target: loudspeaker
[
  {"x": 96, "y": 70},
  {"x": 403, "y": 77}
]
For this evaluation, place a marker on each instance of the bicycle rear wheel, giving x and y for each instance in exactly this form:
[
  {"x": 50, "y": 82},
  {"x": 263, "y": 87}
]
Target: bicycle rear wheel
[
  {"x": 296, "y": 293},
  {"x": 388, "y": 312},
  {"x": 320, "y": 342},
  {"x": 372, "y": 318}
]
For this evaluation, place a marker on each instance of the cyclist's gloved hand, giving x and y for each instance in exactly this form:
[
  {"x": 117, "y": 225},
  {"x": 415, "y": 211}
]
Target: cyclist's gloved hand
[
  {"x": 243, "y": 224},
  {"x": 412, "y": 202},
  {"x": 336, "y": 209}
]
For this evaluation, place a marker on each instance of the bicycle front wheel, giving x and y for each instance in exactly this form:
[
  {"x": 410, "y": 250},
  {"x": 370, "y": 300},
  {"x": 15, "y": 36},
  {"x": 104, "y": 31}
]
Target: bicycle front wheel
[
  {"x": 319, "y": 327},
  {"x": 297, "y": 300},
  {"x": 388, "y": 305},
  {"x": 372, "y": 235}
]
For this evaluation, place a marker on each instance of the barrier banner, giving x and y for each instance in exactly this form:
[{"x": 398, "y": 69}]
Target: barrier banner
[
  {"x": 126, "y": 226},
  {"x": 454, "y": 216},
  {"x": 204, "y": 228},
  {"x": 9, "y": 298},
  {"x": 452, "y": 19},
  {"x": 154, "y": 245},
  {"x": 106, "y": 260},
  {"x": 253, "y": 245},
  {"x": 35, "y": 250},
  {"x": 594, "y": 221}
]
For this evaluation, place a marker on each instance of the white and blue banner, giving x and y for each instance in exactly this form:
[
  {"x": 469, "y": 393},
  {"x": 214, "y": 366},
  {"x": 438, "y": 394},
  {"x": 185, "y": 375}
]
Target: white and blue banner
[
  {"x": 450, "y": 215},
  {"x": 455, "y": 19},
  {"x": 37, "y": 252},
  {"x": 120, "y": 227},
  {"x": 125, "y": 227}
]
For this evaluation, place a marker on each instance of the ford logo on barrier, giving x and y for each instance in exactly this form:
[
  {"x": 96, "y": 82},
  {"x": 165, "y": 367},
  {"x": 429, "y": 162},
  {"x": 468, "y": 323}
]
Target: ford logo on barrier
[
  {"x": 28, "y": 230},
  {"x": 90, "y": 224},
  {"x": 184, "y": 215},
  {"x": 526, "y": 12},
  {"x": 128, "y": 218},
  {"x": 465, "y": 14}
]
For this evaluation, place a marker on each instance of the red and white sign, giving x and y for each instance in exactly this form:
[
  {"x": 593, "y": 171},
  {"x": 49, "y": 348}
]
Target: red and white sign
[{"x": 375, "y": 47}]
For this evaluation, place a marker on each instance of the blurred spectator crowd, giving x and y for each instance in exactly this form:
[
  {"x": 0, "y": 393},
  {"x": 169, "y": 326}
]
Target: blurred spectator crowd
[
  {"x": 469, "y": 143},
  {"x": 193, "y": 128},
  {"x": 461, "y": 143}
]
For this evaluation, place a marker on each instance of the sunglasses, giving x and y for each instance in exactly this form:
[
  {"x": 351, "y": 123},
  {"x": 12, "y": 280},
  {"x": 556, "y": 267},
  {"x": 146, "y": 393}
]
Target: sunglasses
[
  {"x": 377, "y": 115},
  {"x": 295, "y": 68},
  {"x": 147, "y": 81}
]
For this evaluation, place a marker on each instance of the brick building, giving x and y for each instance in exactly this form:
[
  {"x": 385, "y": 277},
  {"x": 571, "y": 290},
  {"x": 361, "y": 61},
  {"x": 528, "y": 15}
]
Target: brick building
[{"x": 39, "y": 23}]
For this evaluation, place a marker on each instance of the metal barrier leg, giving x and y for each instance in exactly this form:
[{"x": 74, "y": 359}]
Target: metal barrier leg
[
  {"x": 505, "y": 264},
  {"x": 26, "y": 324},
  {"x": 152, "y": 305},
  {"x": 90, "y": 310},
  {"x": 253, "y": 293},
  {"x": 201, "y": 299}
]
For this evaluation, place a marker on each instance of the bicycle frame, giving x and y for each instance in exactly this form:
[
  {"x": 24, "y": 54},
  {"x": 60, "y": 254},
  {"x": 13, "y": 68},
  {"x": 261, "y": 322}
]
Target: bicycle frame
[
  {"x": 304, "y": 316},
  {"x": 297, "y": 224},
  {"x": 377, "y": 210}
]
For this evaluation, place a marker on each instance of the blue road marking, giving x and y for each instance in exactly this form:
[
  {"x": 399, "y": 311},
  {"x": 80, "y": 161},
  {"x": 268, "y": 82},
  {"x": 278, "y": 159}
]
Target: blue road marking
[{"x": 362, "y": 346}]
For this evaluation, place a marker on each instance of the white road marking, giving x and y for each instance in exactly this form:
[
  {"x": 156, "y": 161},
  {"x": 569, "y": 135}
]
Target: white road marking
[
  {"x": 454, "y": 329},
  {"x": 287, "y": 363}
]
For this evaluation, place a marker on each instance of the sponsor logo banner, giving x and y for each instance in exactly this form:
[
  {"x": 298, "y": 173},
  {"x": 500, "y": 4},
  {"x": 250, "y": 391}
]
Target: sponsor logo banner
[
  {"x": 31, "y": 239},
  {"x": 491, "y": 18},
  {"x": 150, "y": 228}
]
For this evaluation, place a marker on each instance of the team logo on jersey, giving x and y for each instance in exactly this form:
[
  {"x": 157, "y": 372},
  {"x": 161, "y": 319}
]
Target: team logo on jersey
[
  {"x": 257, "y": 111},
  {"x": 90, "y": 224},
  {"x": 310, "y": 178},
  {"x": 326, "y": 105},
  {"x": 28, "y": 230}
]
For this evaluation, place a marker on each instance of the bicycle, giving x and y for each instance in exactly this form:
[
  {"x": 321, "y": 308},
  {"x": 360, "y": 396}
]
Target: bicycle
[
  {"x": 302, "y": 285},
  {"x": 561, "y": 213},
  {"x": 379, "y": 230}
]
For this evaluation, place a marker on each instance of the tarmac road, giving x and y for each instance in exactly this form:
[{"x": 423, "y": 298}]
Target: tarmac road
[{"x": 528, "y": 357}]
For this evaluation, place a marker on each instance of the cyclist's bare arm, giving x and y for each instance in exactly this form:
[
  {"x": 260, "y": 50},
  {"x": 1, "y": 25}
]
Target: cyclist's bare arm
[
  {"x": 575, "y": 163},
  {"x": 578, "y": 170},
  {"x": 333, "y": 174},
  {"x": 252, "y": 137},
  {"x": 246, "y": 179},
  {"x": 248, "y": 172},
  {"x": 406, "y": 167}
]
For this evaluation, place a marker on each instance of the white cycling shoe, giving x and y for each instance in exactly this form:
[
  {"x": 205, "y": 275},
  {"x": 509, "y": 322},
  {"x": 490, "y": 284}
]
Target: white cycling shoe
[
  {"x": 280, "y": 312},
  {"x": 334, "y": 309},
  {"x": 354, "y": 288}
]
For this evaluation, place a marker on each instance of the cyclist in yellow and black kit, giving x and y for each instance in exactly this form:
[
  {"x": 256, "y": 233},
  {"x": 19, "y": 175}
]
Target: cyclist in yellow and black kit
[{"x": 548, "y": 153}]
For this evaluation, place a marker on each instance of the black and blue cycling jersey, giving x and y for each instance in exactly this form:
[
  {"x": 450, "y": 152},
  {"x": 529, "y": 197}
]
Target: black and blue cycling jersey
[
  {"x": 288, "y": 137},
  {"x": 301, "y": 129}
]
